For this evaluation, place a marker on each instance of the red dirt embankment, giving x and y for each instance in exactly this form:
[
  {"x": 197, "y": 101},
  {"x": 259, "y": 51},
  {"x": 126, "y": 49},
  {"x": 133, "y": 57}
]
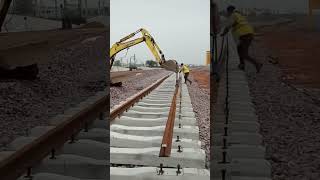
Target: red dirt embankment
[{"x": 297, "y": 50}]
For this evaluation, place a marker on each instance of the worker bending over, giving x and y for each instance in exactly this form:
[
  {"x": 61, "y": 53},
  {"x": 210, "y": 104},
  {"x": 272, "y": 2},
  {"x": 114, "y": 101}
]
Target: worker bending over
[
  {"x": 185, "y": 70},
  {"x": 243, "y": 32}
]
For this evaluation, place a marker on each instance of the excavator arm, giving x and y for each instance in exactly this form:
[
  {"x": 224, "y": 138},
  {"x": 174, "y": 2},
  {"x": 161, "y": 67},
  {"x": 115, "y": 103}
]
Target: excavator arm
[
  {"x": 117, "y": 47},
  {"x": 152, "y": 45}
]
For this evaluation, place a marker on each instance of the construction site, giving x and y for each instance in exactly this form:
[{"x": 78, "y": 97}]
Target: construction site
[
  {"x": 270, "y": 119},
  {"x": 53, "y": 56},
  {"x": 80, "y": 99}
]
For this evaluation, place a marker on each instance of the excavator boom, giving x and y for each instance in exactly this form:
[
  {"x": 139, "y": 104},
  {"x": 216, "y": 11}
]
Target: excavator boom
[{"x": 152, "y": 45}]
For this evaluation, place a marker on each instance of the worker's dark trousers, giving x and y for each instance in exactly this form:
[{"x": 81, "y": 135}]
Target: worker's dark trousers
[
  {"x": 186, "y": 78},
  {"x": 243, "y": 49}
]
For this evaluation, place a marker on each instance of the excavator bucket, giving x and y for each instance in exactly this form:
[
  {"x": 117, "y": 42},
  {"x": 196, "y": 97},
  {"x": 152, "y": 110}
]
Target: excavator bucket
[{"x": 170, "y": 65}]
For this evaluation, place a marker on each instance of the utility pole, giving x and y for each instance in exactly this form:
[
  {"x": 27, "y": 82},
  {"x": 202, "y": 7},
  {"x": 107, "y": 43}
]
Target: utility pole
[
  {"x": 40, "y": 6},
  {"x": 64, "y": 4},
  {"x": 86, "y": 4},
  {"x": 103, "y": 11},
  {"x": 56, "y": 8},
  {"x": 37, "y": 8},
  {"x": 4, "y": 5},
  {"x": 80, "y": 7},
  {"x": 99, "y": 11}
]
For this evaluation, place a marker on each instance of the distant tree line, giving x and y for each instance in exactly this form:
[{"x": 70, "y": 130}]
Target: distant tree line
[{"x": 150, "y": 63}]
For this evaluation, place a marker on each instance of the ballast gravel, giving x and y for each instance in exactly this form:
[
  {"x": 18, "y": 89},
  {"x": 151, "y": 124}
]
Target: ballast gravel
[
  {"x": 72, "y": 75},
  {"x": 135, "y": 84},
  {"x": 200, "y": 99},
  {"x": 289, "y": 121}
]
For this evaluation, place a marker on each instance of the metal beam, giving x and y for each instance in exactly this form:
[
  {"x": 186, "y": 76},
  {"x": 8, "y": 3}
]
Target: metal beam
[
  {"x": 166, "y": 145},
  {"x": 13, "y": 166}
]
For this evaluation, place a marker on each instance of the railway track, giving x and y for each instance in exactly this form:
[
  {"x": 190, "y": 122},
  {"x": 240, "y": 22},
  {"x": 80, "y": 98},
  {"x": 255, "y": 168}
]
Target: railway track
[
  {"x": 158, "y": 138},
  {"x": 120, "y": 76},
  {"x": 153, "y": 135}
]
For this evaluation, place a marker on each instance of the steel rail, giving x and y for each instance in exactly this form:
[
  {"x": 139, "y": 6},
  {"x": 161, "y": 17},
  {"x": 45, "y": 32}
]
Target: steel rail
[
  {"x": 116, "y": 112},
  {"x": 166, "y": 145},
  {"x": 22, "y": 160}
]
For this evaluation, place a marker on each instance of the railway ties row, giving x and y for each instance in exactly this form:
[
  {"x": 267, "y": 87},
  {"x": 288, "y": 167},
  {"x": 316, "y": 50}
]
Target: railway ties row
[
  {"x": 75, "y": 145},
  {"x": 238, "y": 151},
  {"x": 137, "y": 136}
]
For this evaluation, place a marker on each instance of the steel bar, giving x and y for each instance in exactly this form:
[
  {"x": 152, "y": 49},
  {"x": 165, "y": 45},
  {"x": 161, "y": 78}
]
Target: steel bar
[
  {"x": 165, "y": 149},
  {"x": 31, "y": 154}
]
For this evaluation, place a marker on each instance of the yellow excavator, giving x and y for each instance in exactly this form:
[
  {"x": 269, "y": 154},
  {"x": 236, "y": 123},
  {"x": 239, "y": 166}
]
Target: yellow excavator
[{"x": 170, "y": 65}]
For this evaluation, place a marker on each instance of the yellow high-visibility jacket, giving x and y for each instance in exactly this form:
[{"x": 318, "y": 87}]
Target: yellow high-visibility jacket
[
  {"x": 185, "y": 69},
  {"x": 240, "y": 25}
]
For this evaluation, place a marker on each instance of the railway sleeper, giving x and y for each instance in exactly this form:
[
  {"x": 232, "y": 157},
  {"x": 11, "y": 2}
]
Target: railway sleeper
[
  {"x": 129, "y": 121},
  {"x": 133, "y": 141},
  {"x": 188, "y": 157}
]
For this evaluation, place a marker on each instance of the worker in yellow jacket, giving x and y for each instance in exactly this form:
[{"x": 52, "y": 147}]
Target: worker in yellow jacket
[
  {"x": 244, "y": 34},
  {"x": 185, "y": 69}
]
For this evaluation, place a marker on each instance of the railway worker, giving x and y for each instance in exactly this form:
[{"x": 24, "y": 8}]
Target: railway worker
[
  {"x": 185, "y": 70},
  {"x": 243, "y": 33}
]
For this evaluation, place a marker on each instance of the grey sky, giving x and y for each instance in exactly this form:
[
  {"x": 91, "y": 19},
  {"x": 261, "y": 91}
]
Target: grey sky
[
  {"x": 180, "y": 27},
  {"x": 299, "y": 6}
]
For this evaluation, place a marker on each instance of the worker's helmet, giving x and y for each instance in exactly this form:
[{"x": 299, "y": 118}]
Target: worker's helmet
[{"x": 230, "y": 9}]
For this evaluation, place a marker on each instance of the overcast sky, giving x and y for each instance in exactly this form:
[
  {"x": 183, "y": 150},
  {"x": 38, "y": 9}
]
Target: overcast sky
[{"x": 180, "y": 27}]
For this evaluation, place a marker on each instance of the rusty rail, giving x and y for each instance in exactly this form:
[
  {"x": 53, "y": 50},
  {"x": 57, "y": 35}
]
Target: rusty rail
[
  {"x": 165, "y": 150},
  {"x": 123, "y": 107},
  {"x": 24, "y": 159}
]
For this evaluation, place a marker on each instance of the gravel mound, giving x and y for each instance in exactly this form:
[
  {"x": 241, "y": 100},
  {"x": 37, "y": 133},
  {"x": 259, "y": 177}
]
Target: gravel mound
[
  {"x": 200, "y": 99},
  {"x": 135, "y": 84},
  {"x": 72, "y": 75},
  {"x": 290, "y": 124}
]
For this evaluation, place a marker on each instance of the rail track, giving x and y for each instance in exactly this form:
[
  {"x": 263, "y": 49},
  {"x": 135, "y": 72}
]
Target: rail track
[
  {"x": 158, "y": 137},
  {"x": 120, "y": 76},
  {"x": 153, "y": 135}
]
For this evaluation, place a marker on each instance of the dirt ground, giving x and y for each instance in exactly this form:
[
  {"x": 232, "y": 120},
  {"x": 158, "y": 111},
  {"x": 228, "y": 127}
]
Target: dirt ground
[
  {"x": 297, "y": 50},
  {"x": 199, "y": 92},
  {"x": 202, "y": 77},
  {"x": 288, "y": 116},
  {"x": 35, "y": 47}
]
